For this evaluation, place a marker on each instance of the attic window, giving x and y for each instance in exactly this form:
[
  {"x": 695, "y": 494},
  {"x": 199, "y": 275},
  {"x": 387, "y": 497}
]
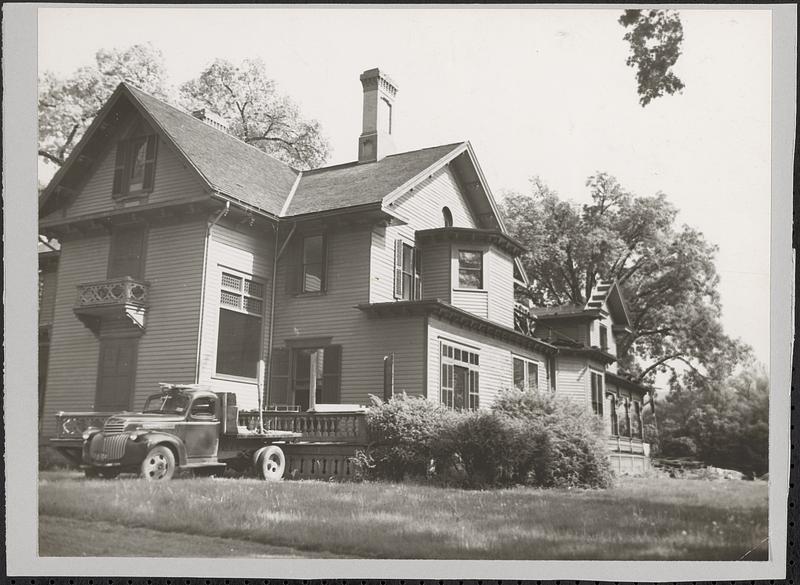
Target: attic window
[
  {"x": 134, "y": 170},
  {"x": 447, "y": 215}
]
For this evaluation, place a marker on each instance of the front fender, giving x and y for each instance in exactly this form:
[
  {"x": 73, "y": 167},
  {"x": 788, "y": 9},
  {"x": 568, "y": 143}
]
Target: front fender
[{"x": 160, "y": 438}]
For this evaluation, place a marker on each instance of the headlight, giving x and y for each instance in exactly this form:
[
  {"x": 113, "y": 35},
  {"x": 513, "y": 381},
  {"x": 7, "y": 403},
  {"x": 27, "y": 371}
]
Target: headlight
[{"x": 89, "y": 432}]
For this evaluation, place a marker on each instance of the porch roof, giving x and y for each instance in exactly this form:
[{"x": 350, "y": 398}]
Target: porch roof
[
  {"x": 447, "y": 312},
  {"x": 626, "y": 382}
]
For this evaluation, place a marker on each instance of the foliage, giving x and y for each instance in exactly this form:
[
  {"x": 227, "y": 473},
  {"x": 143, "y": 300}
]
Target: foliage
[
  {"x": 569, "y": 449},
  {"x": 666, "y": 272},
  {"x": 655, "y": 38},
  {"x": 67, "y": 105},
  {"x": 402, "y": 433},
  {"x": 722, "y": 424},
  {"x": 256, "y": 113}
]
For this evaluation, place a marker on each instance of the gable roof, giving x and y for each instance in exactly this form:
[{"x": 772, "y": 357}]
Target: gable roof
[
  {"x": 354, "y": 184},
  {"x": 608, "y": 293},
  {"x": 228, "y": 164}
]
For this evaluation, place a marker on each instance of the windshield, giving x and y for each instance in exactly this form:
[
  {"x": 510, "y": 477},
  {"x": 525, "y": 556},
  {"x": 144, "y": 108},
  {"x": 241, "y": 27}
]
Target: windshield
[{"x": 172, "y": 403}]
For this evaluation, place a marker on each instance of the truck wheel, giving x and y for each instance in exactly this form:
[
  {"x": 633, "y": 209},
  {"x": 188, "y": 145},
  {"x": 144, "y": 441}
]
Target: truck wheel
[
  {"x": 159, "y": 464},
  {"x": 271, "y": 463}
]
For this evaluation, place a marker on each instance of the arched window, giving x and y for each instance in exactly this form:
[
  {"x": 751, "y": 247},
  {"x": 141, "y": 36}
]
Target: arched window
[{"x": 448, "y": 217}]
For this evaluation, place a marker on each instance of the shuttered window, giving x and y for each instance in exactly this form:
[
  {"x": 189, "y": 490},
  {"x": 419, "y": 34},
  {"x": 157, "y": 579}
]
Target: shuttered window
[
  {"x": 239, "y": 337},
  {"x": 134, "y": 167},
  {"x": 597, "y": 393},
  {"x": 407, "y": 272},
  {"x": 290, "y": 373}
]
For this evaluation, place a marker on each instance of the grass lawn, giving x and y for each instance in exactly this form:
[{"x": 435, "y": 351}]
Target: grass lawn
[{"x": 652, "y": 519}]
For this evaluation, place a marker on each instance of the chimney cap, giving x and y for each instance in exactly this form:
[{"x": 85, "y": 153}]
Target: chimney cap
[{"x": 387, "y": 83}]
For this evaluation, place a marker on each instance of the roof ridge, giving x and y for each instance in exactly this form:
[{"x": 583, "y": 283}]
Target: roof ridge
[
  {"x": 355, "y": 162},
  {"x": 222, "y": 132}
]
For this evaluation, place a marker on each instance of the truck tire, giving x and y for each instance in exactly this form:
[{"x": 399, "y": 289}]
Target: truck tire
[
  {"x": 270, "y": 463},
  {"x": 159, "y": 464}
]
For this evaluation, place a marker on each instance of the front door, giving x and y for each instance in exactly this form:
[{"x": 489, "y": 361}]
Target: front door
[{"x": 116, "y": 373}]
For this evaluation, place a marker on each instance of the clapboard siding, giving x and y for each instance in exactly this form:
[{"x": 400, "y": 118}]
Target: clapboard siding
[
  {"x": 49, "y": 280},
  {"x": 496, "y": 367},
  {"x": 173, "y": 267},
  {"x": 436, "y": 272},
  {"x": 422, "y": 209},
  {"x": 334, "y": 314},
  {"x": 172, "y": 181},
  {"x": 573, "y": 379},
  {"x": 74, "y": 350},
  {"x": 247, "y": 251},
  {"x": 474, "y": 301},
  {"x": 500, "y": 284}
]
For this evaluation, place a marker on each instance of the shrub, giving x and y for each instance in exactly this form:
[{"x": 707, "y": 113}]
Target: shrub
[
  {"x": 568, "y": 441},
  {"x": 402, "y": 432}
]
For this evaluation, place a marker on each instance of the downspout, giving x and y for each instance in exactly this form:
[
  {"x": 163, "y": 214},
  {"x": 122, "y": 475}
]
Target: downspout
[
  {"x": 270, "y": 337},
  {"x": 211, "y": 224}
]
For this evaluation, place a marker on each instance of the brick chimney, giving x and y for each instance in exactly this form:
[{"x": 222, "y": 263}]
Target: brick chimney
[
  {"x": 211, "y": 118},
  {"x": 376, "y": 140}
]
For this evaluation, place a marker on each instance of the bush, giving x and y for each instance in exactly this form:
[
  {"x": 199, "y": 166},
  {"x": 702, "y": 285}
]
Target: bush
[
  {"x": 402, "y": 432},
  {"x": 568, "y": 448}
]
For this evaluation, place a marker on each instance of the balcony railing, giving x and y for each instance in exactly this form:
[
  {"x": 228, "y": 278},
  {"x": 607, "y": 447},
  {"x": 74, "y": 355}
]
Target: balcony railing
[
  {"x": 113, "y": 292},
  {"x": 623, "y": 444}
]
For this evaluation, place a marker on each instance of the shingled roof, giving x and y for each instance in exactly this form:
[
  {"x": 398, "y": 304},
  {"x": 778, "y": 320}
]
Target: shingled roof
[
  {"x": 355, "y": 183},
  {"x": 229, "y": 165}
]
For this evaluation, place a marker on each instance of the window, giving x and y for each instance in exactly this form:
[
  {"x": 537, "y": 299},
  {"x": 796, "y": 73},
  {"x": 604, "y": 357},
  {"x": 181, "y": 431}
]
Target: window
[
  {"x": 460, "y": 378},
  {"x": 597, "y": 393},
  {"x": 134, "y": 169},
  {"x": 447, "y": 216},
  {"x": 626, "y": 431},
  {"x": 614, "y": 419},
  {"x": 603, "y": 337},
  {"x": 637, "y": 429},
  {"x": 204, "y": 409},
  {"x": 290, "y": 376},
  {"x": 407, "y": 272},
  {"x": 313, "y": 263},
  {"x": 470, "y": 269},
  {"x": 526, "y": 374},
  {"x": 239, "y": 337},
  {"x": 551, "y": 372}
]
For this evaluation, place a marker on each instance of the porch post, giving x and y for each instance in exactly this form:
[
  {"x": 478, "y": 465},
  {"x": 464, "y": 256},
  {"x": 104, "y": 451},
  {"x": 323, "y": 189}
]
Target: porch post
[{"x": 312, "y": 381}]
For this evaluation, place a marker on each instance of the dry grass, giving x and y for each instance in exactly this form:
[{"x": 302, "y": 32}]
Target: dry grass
[{"x": 641, "y": 519}]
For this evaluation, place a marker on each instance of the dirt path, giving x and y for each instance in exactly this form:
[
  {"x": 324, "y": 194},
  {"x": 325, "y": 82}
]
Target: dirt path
[{"x": 67, "y": 537}]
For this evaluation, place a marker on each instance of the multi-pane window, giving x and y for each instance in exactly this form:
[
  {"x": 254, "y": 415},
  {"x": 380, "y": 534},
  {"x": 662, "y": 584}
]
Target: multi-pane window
[
  {"x": 238, "y": 340},
  {"x": 313, "y": 259},
  {"x": 460, "y": 377},
  {"x": 597, "y": 393},
  {"x": 470, "y": 269},
  {"x": 526, "y": 374},
  {"x": 407, "y": 272}
]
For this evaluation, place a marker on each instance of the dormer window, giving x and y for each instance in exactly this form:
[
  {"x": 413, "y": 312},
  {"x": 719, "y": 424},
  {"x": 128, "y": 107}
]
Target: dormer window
[
  {"x": 134, "y": 170},
  {"x": 603, "y": 337}
]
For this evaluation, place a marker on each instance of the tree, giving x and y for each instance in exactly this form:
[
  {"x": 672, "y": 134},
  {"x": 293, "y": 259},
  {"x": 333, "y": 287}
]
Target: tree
[
  {"x": 248, "y": 100},
  {"x": 67, "y": 105},
  {"x": 666, "y": 272},
  {"x": 655, "y": 38},
  {"x": 723, "y": 424}
]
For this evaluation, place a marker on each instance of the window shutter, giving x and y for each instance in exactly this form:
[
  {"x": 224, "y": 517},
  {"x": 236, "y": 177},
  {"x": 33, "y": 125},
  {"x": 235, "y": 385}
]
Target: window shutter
[
  {"x": 150, "y": 163},
  {"x": 120, "y": 183},
  {"x": 279, "y": 377},
  {"x": 332, "y": 375},
  {"x": 325, "y": 260},
  {"x": 293, "y": 261},
  {"x": 417, "y": 274},
  {"x": 398, "y": 269}
]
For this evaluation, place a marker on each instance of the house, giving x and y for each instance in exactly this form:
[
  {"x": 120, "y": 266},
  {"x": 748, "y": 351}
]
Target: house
[{"x": 189, "y": 256}]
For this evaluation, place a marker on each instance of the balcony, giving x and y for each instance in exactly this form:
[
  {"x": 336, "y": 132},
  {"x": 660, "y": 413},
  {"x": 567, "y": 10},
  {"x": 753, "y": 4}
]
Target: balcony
[{"x": 113, "y": 298}]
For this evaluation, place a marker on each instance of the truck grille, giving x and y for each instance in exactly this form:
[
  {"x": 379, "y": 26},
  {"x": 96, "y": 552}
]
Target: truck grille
[
  {"x": 114, "y": 426},
  {"x": 104, "y": 448}
]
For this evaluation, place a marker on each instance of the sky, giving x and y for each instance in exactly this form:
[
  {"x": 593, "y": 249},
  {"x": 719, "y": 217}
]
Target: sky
[{"x": 536, "y": 91}]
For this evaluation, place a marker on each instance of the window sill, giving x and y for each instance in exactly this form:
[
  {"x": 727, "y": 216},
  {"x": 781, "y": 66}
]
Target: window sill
[
  {"x": 471, "y": 290},
  {"x": 232, "y": 378}
]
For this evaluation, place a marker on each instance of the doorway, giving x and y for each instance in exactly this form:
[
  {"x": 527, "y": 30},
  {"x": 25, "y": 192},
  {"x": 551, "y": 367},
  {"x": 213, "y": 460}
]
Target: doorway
[{"x": 116, "y": 374}]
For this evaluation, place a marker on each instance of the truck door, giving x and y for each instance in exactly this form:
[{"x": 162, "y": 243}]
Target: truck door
[{"x": 201, "y": 429}]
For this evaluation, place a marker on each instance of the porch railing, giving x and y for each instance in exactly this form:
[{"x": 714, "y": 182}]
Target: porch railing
[
  {"x": 334, "y": 427},
  {"x": 622, "y": 444}
]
